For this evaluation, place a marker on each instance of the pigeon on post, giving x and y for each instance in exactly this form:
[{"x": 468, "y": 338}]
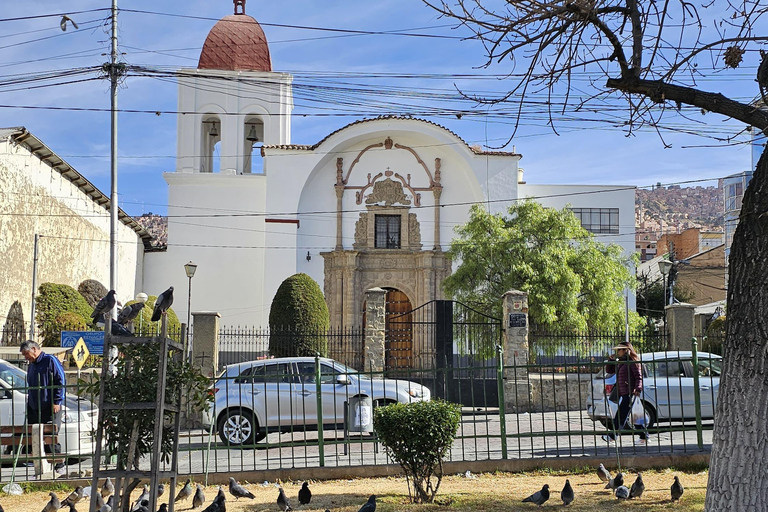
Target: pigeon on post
[
  {"x": 622, "y": 492},
  {"x": 54, "y": 504},
  {"x": 567, "y": 493},
  {"x": 615, "y": 482},
  {"x": 637, "y": 487},
  {"x": 603, "y": 474},
  {"x": 185, "y": 492},
  {"x": 238, "y": 491},
  {"x": 129, "y": 312},
  {"x": 282, "y": 501},
  {"x": 305, "y": 495},
  {"x": 74, "y": 497},
  {"x": 104, "y": 306},
  {"x": 370, "y": 506},
  {"x": 539, "y": 497},
  {"x": 162, "y": 304},
  {"x": 677, "y": 489},
  {"x": 107, "y": 489},
  {"x": 199, "y": 498}
]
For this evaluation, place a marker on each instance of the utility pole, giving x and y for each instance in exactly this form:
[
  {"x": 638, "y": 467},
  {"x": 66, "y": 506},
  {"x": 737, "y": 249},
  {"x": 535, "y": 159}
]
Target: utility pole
[
  {"x": 34, "y": 291},
  {"x": 114, "y": 75}
]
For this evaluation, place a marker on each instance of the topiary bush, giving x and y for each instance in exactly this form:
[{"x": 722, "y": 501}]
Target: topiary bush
[
  {"x": 298, "y": 319},
  {"x": 418, "y": 436},
  {"x": 144, "y": 326},
  {"x": 92, "y": 291},
  {"x": 70, "y": 321},
  {"x": 52, "y": 301}
]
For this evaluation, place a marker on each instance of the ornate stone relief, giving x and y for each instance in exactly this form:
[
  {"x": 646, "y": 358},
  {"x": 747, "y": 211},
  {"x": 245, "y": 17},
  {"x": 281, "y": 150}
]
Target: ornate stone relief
[
  {"x": 414, "y": 231},
  {"x": 389, "y": 192},
  {"x": 361, "y": 232}
]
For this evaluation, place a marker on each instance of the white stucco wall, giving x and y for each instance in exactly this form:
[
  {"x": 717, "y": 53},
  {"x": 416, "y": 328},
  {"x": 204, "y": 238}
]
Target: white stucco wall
[{"x": 74, "y": 230}]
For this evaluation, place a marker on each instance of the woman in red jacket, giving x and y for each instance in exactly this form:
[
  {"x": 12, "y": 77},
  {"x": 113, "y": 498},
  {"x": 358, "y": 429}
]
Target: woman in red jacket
[{"x": 629, "y": 380}]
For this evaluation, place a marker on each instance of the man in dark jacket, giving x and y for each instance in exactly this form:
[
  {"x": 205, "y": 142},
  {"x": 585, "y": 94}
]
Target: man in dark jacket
[
  {"x": 629, "y": 380},
  {"x": 45, "y": 398}
]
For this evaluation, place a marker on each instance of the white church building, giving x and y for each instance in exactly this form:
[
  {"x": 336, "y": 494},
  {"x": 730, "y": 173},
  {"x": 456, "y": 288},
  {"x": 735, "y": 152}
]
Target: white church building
[{"x": 373, "y": 204}]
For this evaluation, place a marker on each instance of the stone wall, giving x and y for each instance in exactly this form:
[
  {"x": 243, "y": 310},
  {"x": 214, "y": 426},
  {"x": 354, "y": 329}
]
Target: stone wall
[{"x": 559, "y": 392}]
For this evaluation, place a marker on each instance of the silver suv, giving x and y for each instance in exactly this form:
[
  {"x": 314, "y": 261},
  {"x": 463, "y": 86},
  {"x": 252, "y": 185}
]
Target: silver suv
[{"x": 279, "y": 395}]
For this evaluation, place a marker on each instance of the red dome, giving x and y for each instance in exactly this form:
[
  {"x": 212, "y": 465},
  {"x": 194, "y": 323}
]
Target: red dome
[{"x": 236, "y": 43}]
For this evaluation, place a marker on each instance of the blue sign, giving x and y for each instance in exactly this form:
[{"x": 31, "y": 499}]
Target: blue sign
[{"x": 94, "y": 340}]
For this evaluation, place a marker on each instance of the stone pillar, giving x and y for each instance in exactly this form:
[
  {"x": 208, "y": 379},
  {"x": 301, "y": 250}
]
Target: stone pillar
[
  {"x": 375, "y": 312},
  {"x": 680, "y": 325},
  {"x": 517, "y": 388},
  {"x": 205, "y": 349}
]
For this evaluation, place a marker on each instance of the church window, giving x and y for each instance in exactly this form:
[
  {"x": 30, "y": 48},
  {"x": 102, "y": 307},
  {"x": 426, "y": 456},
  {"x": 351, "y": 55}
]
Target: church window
[{"x": 387, "y": 232}]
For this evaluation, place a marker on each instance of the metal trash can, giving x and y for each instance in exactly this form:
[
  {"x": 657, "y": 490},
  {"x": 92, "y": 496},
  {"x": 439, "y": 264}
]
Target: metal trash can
[{"x": 360, "y": 414}]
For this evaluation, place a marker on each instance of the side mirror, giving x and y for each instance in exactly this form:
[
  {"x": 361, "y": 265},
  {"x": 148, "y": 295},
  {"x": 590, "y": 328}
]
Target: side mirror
[{"x": 343, "y": 379}]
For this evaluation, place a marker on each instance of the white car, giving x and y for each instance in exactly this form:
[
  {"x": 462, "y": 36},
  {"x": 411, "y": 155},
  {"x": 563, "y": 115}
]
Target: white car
[
  {"x": 668, "y": 392},
  {"x": 257, "y": 397},
  {"x": 79, "y": 418}
]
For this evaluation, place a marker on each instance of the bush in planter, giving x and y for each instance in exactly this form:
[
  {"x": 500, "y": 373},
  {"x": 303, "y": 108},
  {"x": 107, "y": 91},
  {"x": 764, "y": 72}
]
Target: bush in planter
[
  {"x": 298, "y": 319},
  {"x": 417, "y": 436}
]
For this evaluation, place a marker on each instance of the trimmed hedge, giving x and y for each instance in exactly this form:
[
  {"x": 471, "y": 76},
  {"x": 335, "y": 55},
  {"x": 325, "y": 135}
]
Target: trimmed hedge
[
  {"x": 92, "y": 291},
  {"x": 53, "y": 301},
  {"x": 298, "y": 319}
]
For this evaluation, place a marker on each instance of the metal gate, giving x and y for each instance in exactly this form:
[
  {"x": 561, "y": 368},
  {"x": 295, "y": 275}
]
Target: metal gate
[{"x": 451, "y": 349}]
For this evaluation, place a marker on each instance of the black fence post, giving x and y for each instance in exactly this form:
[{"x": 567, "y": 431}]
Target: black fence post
[{"x": 444, "y": 348}]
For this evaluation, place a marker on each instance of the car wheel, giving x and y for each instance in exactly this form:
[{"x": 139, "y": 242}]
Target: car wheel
[{"x": 238, "y": 427}]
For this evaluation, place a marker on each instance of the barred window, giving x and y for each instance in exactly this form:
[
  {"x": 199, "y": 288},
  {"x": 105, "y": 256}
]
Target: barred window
[
  {"x": 387, "y": 232},
  {"x": 598, "y": 220}
]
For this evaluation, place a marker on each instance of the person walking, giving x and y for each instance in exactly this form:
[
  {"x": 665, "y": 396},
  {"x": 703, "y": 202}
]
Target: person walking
[
  {"x": 45, "y": 397},
  {"x": 629, "y": 380}
]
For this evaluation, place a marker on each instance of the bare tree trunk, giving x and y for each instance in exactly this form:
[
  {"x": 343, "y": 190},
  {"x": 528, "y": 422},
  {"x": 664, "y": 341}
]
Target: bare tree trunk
[{"x": 740, "y": 440}]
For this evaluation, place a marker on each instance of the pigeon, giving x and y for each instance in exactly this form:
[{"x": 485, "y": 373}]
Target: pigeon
[
  {"x": 163, "y": 507},
  {"x": 54, "y": 504},
  {"x": 119, "y": 330},
  {"x": 99, "y": 501},
  {"x": 567, "y": 493},
  {"x": 219, "y": 503},
  {"x": 74, "y": 497},
  {"x": 105, "y": 508},
  {"x": 185, "y": 491},
  {"x": 144, "y": 496},
  {"x": 638, "y": 487},
  {"x": 64, "y": 20},
  {"x": 282, "y": 501},
  {"x": 615, "y": 482},
  {"x": 677, "y": 489},
  {"x": 199, "y": 498},
  {"x": 603, "y": 474},
  {"x": 143, "y": 506},
  {"x": 539, "y": 497},
  {"x": 107, "y": 489},
  {"x": 129, "y": 312},
  {"x": 622, "y": 492},
  {"x": 238, "y": 491},
  {"x": 160, "y": 489},
  {"x": 104, "y": 306},
  {"x": 162, "y": 304},
  {"x": 370, "y": 506},
  {"x": 305, "y": 495}
]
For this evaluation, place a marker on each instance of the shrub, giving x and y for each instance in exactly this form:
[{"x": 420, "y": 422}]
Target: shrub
[
  {"x": 92, "y": 291},
  {"x": 143, "y": 324},
  {"x": 70, "y": 321},
  {"x": 52, "y": 301},
  {"x": 298, "y": 319},
  {"x": 418, "y": 436}
]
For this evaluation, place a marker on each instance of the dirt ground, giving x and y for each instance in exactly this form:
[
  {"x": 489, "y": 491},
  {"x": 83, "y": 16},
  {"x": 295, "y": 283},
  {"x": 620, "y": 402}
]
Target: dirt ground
[{"x": 459, "y": 493}]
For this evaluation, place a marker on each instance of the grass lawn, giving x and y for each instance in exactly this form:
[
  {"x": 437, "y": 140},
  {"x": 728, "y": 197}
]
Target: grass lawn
[{"x": 490, "y": 491}]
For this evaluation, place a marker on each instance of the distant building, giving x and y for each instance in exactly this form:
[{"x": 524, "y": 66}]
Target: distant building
[{"x": 689, "y": 242}]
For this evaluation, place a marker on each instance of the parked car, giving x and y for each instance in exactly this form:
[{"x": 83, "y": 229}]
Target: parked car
[
  {"x": 278, "y": 395},
  {"x": 667, "y": 388},
  {"x": 79, "y": 418}
]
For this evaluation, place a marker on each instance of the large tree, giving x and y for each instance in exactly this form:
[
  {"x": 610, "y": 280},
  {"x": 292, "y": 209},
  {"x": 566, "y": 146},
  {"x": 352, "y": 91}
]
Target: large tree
[
  {"x": 654, "y": 54},
  {"x": 573, "y": 281}
]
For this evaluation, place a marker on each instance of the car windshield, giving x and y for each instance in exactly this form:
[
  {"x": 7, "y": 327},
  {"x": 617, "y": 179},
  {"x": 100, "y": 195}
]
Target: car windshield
[
  {"x": 343, "y": 368},
  {"x": 13, "y": 375}
]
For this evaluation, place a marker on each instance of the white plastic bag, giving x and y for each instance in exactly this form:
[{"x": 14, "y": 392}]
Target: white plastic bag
[{"x": 638, "y": 412}]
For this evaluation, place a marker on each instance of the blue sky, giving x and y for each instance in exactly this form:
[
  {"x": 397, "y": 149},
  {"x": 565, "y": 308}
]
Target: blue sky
[{"x": 388, "y": 64}]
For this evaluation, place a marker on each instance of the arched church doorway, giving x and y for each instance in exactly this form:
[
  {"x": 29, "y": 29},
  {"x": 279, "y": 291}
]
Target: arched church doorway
[{"x": 398, "y": 341}]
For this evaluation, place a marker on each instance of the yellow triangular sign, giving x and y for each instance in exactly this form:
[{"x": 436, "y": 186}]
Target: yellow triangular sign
[{"x": 80, "y": 353}]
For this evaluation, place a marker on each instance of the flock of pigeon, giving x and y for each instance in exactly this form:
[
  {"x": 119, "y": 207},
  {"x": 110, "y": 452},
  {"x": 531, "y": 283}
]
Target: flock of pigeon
[
  {"x": 105, "y": 500},
  {"x": 616, "y": 484},
  {"x": 127, "y": 314}
]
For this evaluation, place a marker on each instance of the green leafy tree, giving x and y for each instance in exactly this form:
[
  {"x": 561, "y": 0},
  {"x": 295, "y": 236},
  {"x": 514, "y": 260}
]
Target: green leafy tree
[
  {"x": 298, "y": 319},
  {"x": 418, "y": 436},
  {"x": 53, "y": 301},
  {"x": 572, "y": 281}
]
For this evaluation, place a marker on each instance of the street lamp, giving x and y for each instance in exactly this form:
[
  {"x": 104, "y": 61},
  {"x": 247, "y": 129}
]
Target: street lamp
[
  {"x": 190, "y": 268},
  {"x": 664, "y": 267},
  {"x": 142, "y": 298}
]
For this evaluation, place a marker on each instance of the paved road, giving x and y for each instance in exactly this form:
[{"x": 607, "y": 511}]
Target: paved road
[{"x": 562, "y": 434}]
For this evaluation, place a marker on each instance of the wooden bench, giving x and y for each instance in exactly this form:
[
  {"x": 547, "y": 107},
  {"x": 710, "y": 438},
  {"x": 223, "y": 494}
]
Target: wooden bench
[{"x": 37, "y": 436}]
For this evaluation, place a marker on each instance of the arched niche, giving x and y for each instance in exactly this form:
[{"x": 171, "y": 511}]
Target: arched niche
[
  {"x": 253, "y": 139},
  {"x": 210, "y": 143}
]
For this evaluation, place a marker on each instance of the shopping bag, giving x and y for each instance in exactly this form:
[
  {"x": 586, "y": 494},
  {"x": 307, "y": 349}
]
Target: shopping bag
[{"x": 638, "y": 412}]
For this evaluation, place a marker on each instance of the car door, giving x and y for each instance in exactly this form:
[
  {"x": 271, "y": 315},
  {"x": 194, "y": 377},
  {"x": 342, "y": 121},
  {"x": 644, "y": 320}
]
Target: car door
[
  {"x": 333, "y": 394},
  {"x": 663, "y": 387},
  {"x": 269, "y": 387},
  {"x": 709, "y": 385},
  {"x": 13, "y": 398}
]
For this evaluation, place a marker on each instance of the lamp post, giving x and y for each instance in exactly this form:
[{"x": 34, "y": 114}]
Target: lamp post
[
  {"x": 664, "y": 267},
  {"x": 142, "y": 298},
  {"x": 190, "y": 268}
]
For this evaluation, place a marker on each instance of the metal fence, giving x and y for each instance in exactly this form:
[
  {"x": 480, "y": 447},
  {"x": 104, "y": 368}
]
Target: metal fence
[
  {"x": 266, "y": 414},
  {"x": 569, "y": 348}
]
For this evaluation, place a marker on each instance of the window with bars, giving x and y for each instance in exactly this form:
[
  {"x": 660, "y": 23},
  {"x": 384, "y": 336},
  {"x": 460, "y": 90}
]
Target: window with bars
[
  {"x": 598, "y": 220},
  {"x": 387, "y": 234}
]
